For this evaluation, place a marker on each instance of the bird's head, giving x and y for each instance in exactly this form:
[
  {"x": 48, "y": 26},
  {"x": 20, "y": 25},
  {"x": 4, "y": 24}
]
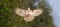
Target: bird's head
[{"x": 29, "y": 9}]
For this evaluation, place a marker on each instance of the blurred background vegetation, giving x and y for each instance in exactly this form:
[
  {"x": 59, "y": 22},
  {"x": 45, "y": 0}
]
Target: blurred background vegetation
[{"x": 8, "y": 18}]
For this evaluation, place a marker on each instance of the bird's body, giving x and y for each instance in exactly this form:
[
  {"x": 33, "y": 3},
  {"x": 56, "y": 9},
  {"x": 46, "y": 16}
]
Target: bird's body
[{"x": 29, "y": 15}]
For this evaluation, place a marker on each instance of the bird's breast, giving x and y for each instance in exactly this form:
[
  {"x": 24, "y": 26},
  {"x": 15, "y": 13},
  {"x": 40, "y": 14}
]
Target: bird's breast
[{"x": 29, "y": 18}]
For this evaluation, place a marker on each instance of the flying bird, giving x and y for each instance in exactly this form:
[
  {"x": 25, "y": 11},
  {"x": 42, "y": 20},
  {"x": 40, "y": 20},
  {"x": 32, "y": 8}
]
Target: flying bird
[{"x": 29, "y": 15}]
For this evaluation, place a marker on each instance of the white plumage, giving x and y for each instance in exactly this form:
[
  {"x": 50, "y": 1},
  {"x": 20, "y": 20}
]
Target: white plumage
[{"x": 29, "y": 15}]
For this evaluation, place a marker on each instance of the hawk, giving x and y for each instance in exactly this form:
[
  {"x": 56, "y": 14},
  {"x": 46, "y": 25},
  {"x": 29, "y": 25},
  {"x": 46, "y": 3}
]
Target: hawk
[{"x": 29, "y": 15}]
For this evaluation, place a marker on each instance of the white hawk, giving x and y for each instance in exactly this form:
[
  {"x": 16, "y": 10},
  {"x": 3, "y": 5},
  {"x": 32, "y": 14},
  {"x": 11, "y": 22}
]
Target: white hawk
[{"x": 29, "y": 15}]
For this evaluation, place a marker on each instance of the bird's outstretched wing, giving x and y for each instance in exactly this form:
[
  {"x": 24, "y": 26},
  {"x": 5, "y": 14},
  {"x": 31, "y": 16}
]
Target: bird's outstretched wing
[
  {"x": 20, "y": 12},
  {"x": 37, "y": 12}
]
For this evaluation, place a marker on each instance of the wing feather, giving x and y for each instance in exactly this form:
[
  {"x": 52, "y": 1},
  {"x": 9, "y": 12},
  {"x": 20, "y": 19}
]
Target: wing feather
[
  {"x": 20, "y": 12},
  {"x": 37, "y": 12}
]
